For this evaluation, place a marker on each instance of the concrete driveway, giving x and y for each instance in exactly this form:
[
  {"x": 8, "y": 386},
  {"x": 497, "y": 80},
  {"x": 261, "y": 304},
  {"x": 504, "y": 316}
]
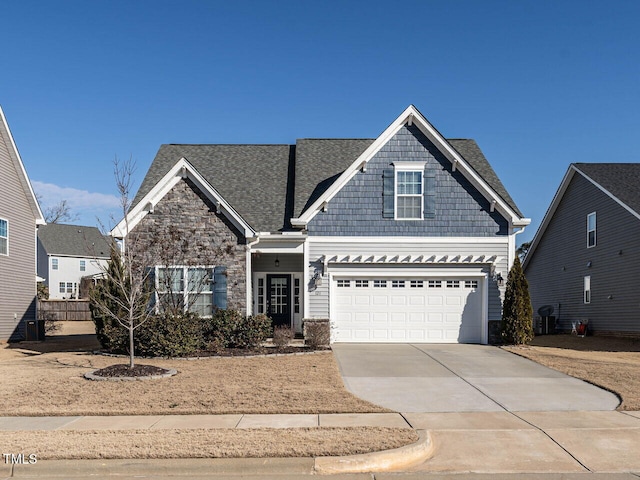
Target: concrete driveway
[{"x": 461, "y": 378}]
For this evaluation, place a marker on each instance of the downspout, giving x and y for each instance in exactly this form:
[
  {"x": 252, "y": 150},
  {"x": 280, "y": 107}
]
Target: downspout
[{"x": 249, "y": 276}]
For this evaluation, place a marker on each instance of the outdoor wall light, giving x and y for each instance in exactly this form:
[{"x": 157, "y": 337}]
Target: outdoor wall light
[
  {"x": 317, "y": 279},
  {"x": 589, "y": 264},
  {"x": 498, "y": 279},
  {"x": 277, "y": 262}
]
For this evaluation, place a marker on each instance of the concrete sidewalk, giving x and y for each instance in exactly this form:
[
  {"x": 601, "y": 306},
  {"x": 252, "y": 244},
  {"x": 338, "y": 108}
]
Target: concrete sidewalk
[
  {"x": 190, "y": 422},
  {"x": 492, "y": 443}
]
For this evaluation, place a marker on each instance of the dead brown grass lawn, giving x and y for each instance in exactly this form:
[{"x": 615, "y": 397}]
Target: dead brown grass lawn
[
  {"x": 219, "y": 443},
  {"x": 610, "y": 362},
  {"x": 52, "y": 383}
]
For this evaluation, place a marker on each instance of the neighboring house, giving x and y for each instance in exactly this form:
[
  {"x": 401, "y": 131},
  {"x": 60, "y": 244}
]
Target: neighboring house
[
  {"x": 19, "y": 217},
  {"x": 402, "y": 238},
  {"x": 67, "y": 254},
  {"x": 584, "y": 258}
]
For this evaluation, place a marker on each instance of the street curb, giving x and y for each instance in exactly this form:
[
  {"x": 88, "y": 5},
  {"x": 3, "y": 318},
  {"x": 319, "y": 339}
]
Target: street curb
[{"x": 385, "y": 461}]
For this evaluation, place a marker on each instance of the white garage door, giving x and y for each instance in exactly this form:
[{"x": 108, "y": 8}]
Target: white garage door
[{"x": 398, "y": 309}]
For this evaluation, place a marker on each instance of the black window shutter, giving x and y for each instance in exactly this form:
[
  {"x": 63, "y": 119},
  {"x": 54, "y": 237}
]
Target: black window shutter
[
  {"x": 388, "y": 180},
  {"x": 429, "y": 194},
  {"x": 220, "y": 287}
]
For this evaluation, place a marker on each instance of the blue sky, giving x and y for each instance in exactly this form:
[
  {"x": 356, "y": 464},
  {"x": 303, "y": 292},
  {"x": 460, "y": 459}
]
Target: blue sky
[{"x": 538, "y": 84}]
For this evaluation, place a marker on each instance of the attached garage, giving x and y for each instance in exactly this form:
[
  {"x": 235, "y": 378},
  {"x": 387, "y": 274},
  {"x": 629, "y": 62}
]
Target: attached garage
[{"x": 418, "y": 309}]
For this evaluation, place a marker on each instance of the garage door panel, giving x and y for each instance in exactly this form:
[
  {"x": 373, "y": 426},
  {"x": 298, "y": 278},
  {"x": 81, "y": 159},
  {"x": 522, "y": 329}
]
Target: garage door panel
[{"x": 408, "y": 310}]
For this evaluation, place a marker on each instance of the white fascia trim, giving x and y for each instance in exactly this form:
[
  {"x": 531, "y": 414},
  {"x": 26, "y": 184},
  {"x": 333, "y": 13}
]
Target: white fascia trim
[
  {"x": 412, "y": 240},
  {"x": 411, "y": 114},
  {"x": 182, "y": 169},
  {"x": 39, "y": 216}
]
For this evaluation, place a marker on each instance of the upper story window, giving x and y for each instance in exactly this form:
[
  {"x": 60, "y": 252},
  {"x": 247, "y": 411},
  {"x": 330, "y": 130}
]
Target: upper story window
[
  {"x": 4, "y": 237},
  {"x": 54, "y": 264},
  {"x": 409, "y": 195},
  {"x": 83, "y": 265},
  {"x": 408, "y": 191},
  {"x": 591, "y": 230}
]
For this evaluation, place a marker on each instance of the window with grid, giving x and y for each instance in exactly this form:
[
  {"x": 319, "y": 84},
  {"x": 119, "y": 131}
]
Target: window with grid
[
  {"x": 379, "y": 284},
  {"x": 397, "y": 283},
  {"x": 417, "y": 283},
  {"x": 83, "y": 265},
  {"x": 344, "y": 283},
  {"x": 453, "y": 283},
  {"x": 435, "y": 283},
  {"x": 470, "y": 284},
  {"x": 409, "y": 195},
  {"x": 192, "y": 289},
  {"x": 54, "y": 264},
  {"x": 362, "y": 283}
]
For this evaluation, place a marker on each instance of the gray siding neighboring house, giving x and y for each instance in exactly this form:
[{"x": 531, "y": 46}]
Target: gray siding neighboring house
[
  {"x": 564, "y": 252},
  {"x": 19, "y": 217},
  {"x": 319, "y": 233}
]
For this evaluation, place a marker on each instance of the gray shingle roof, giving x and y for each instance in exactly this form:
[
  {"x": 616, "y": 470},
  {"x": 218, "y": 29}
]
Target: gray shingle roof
[
  {"x": 257, "y": 180},
  {"x": 319, "y": 162},
  {"x": 73, "y": 240},
  {"x": 252, "y": 178},
  {"x": 622, "y": 180},
  {"x": 470, "y": 151}
]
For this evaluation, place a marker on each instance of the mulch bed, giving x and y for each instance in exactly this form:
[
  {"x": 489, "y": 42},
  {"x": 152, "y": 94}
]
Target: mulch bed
[{"x": 123, "y": 370}]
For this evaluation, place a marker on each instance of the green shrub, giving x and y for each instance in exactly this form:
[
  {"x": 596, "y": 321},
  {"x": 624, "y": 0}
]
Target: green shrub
[
  {"x": 229, "y": 329},
  {"x": 170, "y": 335},
  {"x": 517, "y": 313}
]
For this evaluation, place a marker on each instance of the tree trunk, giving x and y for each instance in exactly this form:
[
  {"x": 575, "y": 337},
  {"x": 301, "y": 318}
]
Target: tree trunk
[{"x": 131, "y": 355}]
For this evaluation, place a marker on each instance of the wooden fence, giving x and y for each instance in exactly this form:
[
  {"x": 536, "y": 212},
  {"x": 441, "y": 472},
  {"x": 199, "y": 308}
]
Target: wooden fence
[{"x": 64, "y": 310}]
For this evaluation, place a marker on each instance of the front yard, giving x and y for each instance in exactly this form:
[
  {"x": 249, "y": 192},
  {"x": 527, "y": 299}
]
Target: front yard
[
  {"x": 609, "y": 362},
  {"x": 45, "y": 378}
]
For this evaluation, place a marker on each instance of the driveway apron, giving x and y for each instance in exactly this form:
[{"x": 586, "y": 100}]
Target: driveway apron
[{"x": 461, "y": 378}]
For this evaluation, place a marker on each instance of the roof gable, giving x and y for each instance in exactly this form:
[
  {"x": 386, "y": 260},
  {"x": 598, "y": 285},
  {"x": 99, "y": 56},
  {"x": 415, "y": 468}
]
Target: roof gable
[
  {"x": 7, "y": 139},
  {"x": 411, "y": 116},
  {"x": 619, "y": 181},
  {"x": 73, "y": 241},
  {"x": 253, "y": 179},
  {"x": 182, "y": 169}
]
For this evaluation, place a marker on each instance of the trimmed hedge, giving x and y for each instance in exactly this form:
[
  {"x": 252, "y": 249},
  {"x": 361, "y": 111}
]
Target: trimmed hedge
[{"x": 169, "y": 335}]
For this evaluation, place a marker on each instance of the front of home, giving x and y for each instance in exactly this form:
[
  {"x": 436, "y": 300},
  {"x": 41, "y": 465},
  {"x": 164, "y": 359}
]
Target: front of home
[
  {"x": 583, "y": 260},
  {"x": 403, "y": 238}
]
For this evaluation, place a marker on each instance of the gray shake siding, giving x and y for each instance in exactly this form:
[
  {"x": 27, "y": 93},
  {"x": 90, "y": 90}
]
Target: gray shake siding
[
  {"x": 561, "y": 261},
  {"x": 18, "y": 269},
  {"x": 211, "y": 238},
  {"x": 460, "y": 210}
]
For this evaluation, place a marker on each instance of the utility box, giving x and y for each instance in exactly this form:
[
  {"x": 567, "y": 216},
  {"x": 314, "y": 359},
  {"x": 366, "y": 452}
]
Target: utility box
[{"x": 34, "y": 330}]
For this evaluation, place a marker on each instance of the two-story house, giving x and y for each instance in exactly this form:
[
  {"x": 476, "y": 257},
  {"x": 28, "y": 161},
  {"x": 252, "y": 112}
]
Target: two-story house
[
  {"x": 19, "y": 217},
  {"x": 585, "y": 254},
  {"x": 67, "y": 254},
  {"x": 406, "y": 237}
]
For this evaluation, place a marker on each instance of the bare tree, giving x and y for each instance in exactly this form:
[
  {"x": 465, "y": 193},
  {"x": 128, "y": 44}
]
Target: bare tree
[
  {"x": 160, "y": 268},
  {"x": 59, "y": 213},
  {"x": 124, "y": 294}
]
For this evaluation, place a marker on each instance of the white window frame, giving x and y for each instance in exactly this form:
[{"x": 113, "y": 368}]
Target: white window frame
[
  {"x": 55, "y": 264},
  {"x": 408, "y": 167},
  {"x": 185, "y": 292},
  {"x": 594, "y": 230},
  {"x": 5, "y": 250},
  {"x": 587, "y": 290},
  {"x": 83, "y": 265}
]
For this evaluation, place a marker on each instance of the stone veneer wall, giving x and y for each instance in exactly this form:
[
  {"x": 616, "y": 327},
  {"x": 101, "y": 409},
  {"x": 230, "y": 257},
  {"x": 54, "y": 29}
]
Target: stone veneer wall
[{"x": 190, "y": 212}]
